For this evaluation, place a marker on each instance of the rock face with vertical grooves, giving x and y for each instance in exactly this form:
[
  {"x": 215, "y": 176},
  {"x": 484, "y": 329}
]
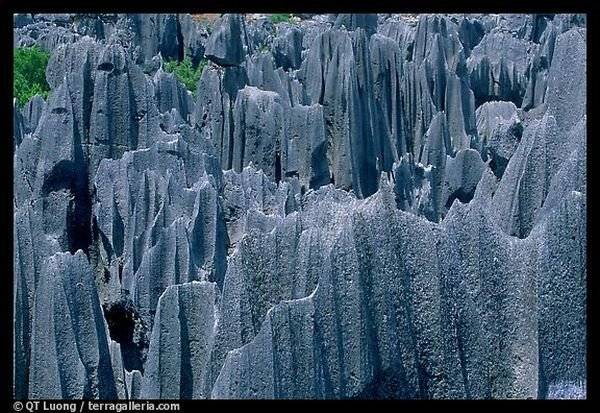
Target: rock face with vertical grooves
[
  {"x": 183, "y": 330},
  {"x": 171, "y": 94},
  {"x": 287, "y": 47},
  {"x": 69, "y": 348},
  {"x": 257, "y": 131},
  {"x": 350, "y": 206},
  {"x": 225, "y": 46}
]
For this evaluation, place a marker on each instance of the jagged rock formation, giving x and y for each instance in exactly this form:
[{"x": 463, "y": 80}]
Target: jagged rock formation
[{"x": 351, "y": 206}]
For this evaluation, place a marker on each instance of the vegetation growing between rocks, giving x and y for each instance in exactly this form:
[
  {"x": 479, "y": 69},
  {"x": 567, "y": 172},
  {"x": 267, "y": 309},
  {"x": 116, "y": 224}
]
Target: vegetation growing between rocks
[
  {"x": 29, "y": 78},
  {"x": 280, "y": 17},
  {"x": 185, "y": 72}
]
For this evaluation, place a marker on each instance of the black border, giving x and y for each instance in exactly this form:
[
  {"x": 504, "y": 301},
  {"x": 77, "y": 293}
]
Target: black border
[{"x": 8, "y": 7}]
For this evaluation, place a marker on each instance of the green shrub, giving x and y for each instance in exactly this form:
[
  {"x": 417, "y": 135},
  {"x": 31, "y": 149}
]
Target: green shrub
[
  {"x": 279, "y": 17},
  {"x": 29, "y": 78},
  {"x": 185, "y": 72}
]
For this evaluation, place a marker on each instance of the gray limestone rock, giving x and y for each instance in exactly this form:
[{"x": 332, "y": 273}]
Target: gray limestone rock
[
  {"x": 350, "y": 207},
  {"x": 18, "y": 125},
  {"x": 226, "y": 44},
  {"x": 498, "y": 66},
  {"x": 32, "y": 113},
  {"x": 402, "y": 33},
  {"x": 172, "y": 94},
  {"x": 183, "y": 329},
  {"x": 305, "y": 149},
  {"x": 546, "y": 143},
  {"x": 500, "y": 130},
  {"x": 156, "y": 33},
  {"x": 258, "y": 127},
  {"x": 287, "y": 46},
  {"x": 69, "y": 349},
  {"x": 386, "y": 66},
  {"x": 368, "y": 22},
  {"x": 462, "y": 174},
  {"x": 213, "y": 116},
  {"x": 538, "y": 70}
]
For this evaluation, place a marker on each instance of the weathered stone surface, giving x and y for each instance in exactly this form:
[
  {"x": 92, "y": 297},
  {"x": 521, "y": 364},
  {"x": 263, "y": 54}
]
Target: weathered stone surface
[
  {"x": 226, "y": 44},
  {"x": 182, "y": 338},
  {"x": 171, "y": 94},
  {"x": 217, "y": 92},
  {"x": 470, "y": 31},
  {"x": 546, "y": 143},
  {"x": 500, "y": 130},
  {"x": 258, "y": 131},
  {"x": 402, "y": 33},
  {"x": 386, "y": 66},
  {"x": 332, "y": 79},
  {"x": 287, "y": 46},
  {"x": 497, "y": 67},
  {"x": 32, "y": 113},
  {"x": 260, "y": 68},
  {"x": 538, "y": 69},
  {"x": 118, "y": 370},
  {"x": 18, "y": 125},
  {"x": 387, "y": 356},
  {"x": 46, "y": 35},
  {"x": 305, "y": 150},
  {"x": 368, "y": 22},
  {"x": 70, "y": 356},
  {"x": 166, "y": 188},
  {"x": 351, "y": 206},
  {"x": 462, "y": 174},
  {"x": 155, "y": 33}
]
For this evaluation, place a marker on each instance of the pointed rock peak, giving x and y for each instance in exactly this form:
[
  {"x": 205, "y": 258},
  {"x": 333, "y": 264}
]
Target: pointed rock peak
[
  {"x": 485, "y": 188},
  {"x": 226, "y": 44}
]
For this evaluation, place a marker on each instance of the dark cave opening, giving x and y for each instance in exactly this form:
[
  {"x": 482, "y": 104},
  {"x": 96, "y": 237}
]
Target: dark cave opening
[
  {"x": 72, "y": 176},
  {"x": 128, "y": 329}
]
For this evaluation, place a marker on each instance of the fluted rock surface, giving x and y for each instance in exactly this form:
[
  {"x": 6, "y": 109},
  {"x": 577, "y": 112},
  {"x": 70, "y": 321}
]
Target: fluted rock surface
[{"x": 349, "y": 206}]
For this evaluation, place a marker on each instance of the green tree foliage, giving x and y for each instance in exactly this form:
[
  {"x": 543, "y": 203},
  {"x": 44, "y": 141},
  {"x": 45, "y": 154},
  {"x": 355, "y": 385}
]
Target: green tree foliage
[
  {"x": 29, "y": 78},
  {"x": 185, "y": 72},
  {"x": 279, "y": 17}
]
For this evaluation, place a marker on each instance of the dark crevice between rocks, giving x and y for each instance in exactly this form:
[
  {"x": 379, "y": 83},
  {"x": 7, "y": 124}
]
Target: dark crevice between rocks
[
  {"x": 106, "y": 275},
  {"x": 106, "y": 67},
  {"x": 460, "y": 194},
  {"x": 277, "y": 166},
  {"x": 409, "y": 52},
  {"x": 180, "y": 46},
  {"x": 230, "y": 139},
  {"x": 88, "y": 98},
  {"x": 127, "y": 328},
  {"x": 98, "y": 235},
  {"x": 386, "y": 385},
  {"x": 78, "y": 219},
  {"x": 60, "y": 177},
  {"x": 59, "y": 111},
  {"x": 22, "y": 349},
  {"x": 542, "y": 382},
  {"x": 187, "y": 379},
  {"x": 80, "y": 226},
  {"x": 498, "y": 166}
]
